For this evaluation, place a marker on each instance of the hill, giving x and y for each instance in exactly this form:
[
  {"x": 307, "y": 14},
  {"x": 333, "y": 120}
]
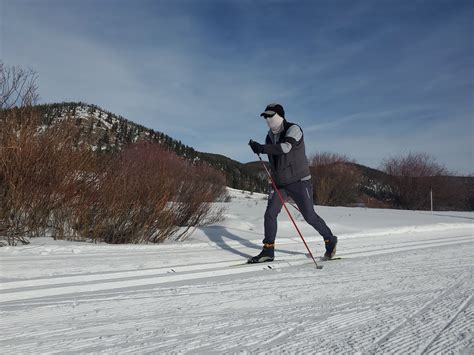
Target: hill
[{"x": 108, "y": 132}]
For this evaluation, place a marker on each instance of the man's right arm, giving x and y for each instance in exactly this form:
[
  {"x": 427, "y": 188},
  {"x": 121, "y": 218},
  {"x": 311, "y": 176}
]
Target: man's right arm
[{"x": 293, "y": 137}]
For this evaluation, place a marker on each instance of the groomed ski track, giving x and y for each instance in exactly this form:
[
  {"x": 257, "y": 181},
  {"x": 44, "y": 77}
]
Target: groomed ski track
[{"x": 403, "y": 294}]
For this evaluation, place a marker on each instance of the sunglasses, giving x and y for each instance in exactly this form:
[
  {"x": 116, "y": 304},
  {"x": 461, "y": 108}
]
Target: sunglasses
[{"x": 267, "y": 116}]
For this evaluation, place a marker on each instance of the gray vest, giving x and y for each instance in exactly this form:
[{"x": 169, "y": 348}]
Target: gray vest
[{"x": 292, "y": 166}]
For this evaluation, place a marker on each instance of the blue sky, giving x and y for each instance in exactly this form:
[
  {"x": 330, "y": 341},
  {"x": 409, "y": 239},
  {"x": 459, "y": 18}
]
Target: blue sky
[{"x": 369, "y": 79}]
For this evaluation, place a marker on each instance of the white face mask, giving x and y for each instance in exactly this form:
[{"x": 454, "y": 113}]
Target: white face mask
[{"x": 275, "y": 123}]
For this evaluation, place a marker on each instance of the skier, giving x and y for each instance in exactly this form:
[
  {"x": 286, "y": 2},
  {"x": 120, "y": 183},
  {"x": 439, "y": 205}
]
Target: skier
[{"x": 285, "y": 148}]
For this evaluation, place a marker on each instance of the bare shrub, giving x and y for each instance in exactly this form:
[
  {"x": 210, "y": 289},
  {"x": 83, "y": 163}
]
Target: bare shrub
[
  {"x": 17, "y": 87},
  {"x": 50, "y": 186},
  {"x": 335, "y": 180},
  {"x": 200, "y": 185},
  {"x": 145, "y": 194},
  {"x": 128, "y": 202},
  {"x": 37, "y": 175},
  {"x": 18, "y": 90},
  {"x": 328, "y": 158},
  {"x": 412, "y": 176}
]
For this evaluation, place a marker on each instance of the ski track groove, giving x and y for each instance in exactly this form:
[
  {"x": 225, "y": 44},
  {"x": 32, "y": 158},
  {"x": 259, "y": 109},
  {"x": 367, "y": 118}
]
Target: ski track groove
[
  {"x": 464, "y": 334},
  {"x": 142, "y": 274},
  {"x": 424, "y": 306},
  {"x": 424, "y": 324},
  {"x": 446, "y": 324},
  {"x": 125, "y": 254}
]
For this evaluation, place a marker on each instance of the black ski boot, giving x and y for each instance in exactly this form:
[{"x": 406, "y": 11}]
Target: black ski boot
[
  {"x": 267, "y": 254},
  {"x": 330, "y": 248}
]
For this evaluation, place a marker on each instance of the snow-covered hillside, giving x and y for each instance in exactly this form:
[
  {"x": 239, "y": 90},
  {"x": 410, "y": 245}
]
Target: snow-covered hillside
[
  {"x": 404, "y": 284},
  {"x": 101, "y": 129}
]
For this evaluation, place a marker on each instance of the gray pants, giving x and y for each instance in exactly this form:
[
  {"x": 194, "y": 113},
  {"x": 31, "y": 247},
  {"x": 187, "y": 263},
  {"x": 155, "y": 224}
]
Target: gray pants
[{"x": 302, "y": 193}]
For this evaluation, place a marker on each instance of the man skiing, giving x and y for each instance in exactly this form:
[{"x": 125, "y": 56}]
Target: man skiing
[{"x": 285, "y": 148}]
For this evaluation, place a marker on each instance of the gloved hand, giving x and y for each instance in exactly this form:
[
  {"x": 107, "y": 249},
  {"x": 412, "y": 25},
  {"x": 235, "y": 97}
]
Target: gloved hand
[{"x": 257, "y": 148}]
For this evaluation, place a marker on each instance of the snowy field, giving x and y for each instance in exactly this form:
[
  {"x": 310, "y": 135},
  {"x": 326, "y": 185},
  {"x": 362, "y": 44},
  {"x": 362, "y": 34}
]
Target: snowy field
[{"x": 403, "y": 285}]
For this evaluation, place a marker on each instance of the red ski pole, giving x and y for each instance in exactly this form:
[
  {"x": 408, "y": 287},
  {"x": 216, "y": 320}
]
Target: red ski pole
[{"x": 289, "y": 214}]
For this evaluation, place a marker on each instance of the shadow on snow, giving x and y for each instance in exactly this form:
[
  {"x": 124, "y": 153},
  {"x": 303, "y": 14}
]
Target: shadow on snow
[{"x": 221, "y": 236}]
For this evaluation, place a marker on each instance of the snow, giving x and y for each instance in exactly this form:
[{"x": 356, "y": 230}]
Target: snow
[{"x": 403, "y": 285}]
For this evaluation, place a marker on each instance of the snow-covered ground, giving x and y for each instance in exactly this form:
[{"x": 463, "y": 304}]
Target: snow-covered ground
[{"x": 403, "y": 285}]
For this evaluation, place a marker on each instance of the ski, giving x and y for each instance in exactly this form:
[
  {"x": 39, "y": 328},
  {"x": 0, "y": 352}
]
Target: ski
[
  {"x": 270, "y": 265},
  {"x": 266, "y": 265},
  {"x": 332, "y": 259}
]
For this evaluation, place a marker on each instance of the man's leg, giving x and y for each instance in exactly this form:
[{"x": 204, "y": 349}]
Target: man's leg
[
  {"x": 302, "y": 194},
  {"x": 273, "y": 209}
]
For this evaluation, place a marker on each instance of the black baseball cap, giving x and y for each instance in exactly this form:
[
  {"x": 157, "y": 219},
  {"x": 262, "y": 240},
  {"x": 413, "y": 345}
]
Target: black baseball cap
[{"x": 271, "y": 109}]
